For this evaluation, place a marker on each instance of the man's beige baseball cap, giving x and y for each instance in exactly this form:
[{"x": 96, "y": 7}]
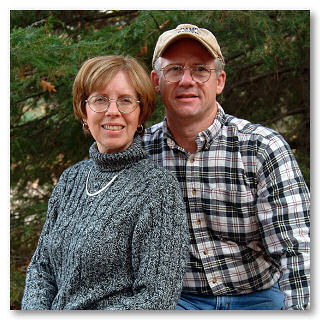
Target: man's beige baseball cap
[{"x": 204, "y": 36}]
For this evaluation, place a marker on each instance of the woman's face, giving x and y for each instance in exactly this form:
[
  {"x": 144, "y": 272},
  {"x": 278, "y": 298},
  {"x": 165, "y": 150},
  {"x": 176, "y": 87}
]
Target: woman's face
[{"x": 113, "y": 130}]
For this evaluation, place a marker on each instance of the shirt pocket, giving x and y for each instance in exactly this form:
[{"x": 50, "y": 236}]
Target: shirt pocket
[{"x": 231, "y": 214}]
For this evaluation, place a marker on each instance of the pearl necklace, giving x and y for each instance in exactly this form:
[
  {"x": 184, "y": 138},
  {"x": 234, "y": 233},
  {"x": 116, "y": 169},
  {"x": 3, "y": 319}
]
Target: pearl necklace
[{"x": 104, "y": 188}]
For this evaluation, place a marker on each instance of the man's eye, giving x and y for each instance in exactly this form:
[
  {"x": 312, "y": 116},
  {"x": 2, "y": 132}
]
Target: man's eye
[
  {"x": 174, "y": 68},
  {"x": 200, "y": 69}
]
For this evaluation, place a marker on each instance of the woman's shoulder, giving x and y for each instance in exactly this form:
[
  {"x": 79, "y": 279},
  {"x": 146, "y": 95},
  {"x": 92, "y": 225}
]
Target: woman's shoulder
[
  {"x": 78, "y": 168},
  {"x": 154, "y": 172}
]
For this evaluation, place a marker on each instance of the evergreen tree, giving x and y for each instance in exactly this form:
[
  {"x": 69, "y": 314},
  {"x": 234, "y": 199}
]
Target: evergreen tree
[{"x": 268, "y": 81}]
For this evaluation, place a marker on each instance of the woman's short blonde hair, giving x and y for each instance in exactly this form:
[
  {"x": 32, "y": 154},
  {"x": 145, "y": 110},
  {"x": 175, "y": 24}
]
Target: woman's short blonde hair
[{"x": 97, "y": 72}]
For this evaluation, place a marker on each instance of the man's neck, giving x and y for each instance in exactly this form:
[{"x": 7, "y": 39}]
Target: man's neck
[{"x": 185, "y": 131}]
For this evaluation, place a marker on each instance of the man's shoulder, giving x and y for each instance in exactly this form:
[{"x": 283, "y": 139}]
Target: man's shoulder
[
  {"x": 154, "y": 129},
  {"x": 245, "y": 127},
  {"x": 153, "y": 138},
  {"x": 154, "y": 133}
]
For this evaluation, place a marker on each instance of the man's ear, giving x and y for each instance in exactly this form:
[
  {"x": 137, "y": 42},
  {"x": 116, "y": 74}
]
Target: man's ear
[
  {"x": 155, "y": 80},
  {"x": 221, "y": 80}
]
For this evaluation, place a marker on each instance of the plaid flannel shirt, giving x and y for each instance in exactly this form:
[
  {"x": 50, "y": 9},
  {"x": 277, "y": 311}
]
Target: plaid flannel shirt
[{"x": 247, "y": 206}]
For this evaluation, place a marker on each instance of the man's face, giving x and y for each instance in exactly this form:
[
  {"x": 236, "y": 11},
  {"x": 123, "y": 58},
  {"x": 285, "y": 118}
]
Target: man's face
[{"x": 187, "y": 99}]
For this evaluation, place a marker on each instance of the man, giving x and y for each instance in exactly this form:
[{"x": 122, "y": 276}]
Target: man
[{"x": 246, "y": 199}]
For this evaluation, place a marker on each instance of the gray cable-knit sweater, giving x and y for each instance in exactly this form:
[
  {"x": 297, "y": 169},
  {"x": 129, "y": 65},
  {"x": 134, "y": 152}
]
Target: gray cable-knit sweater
[{"x": 125, "y": 248}]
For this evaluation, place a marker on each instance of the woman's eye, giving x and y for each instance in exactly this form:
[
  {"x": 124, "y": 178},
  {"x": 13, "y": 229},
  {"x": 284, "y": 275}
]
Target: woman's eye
[
  {"x": 100, "y": 100},
  {"x": 125, "y": 100}
]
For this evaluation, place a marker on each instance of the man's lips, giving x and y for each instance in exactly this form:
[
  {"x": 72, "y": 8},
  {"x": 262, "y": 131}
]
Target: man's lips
[{"x": 186, "y": 96}]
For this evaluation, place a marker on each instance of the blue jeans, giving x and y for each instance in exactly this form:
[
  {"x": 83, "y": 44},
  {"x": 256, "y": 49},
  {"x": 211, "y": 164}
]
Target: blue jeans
[{"x": 269, "y": 299}]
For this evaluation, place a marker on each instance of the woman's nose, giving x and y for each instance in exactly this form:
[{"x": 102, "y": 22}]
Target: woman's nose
[{"x": 113, "y": 108}]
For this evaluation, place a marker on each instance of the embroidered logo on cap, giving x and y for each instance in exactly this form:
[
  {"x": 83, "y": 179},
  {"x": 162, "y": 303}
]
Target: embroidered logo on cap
[{"x": 188, "y": 29}]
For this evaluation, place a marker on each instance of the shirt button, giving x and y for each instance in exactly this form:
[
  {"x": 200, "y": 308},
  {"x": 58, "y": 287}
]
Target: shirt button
[
  {"x": 198, "y": 222},
  {"x": 170, "y": 143},
  {"x": 194, "y": 191},
  {"x": 214, "y": 280},
  {"x": 205, "y": 251},
  {"x": 192, "y": 160}
]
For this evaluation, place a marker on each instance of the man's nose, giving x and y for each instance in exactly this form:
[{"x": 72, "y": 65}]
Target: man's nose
[{"x": 186, "y": 78}]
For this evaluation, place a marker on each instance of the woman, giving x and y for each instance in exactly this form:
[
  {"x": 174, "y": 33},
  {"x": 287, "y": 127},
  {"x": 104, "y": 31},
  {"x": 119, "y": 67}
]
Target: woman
[{"x": 116, "y": 235}]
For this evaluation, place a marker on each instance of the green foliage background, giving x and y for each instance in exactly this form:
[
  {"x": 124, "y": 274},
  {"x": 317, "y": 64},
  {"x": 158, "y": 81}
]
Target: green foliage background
[{"x": 268, "y": 81}]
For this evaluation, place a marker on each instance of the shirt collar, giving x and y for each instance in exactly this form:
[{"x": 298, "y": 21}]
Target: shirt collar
[
  {"x": 168, "y": 137},
  {"x": 208, "y": 135},
  {"x": 204, "y": 138}
]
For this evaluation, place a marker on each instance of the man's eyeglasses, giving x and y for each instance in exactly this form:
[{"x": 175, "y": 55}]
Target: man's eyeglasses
[
  {"x": 174, "y": 73},
  {"x": 101, "y": 104}
]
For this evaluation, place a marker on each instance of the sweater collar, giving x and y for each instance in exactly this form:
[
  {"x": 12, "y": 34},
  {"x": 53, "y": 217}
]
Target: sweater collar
[{"x": 119, "y": 160}]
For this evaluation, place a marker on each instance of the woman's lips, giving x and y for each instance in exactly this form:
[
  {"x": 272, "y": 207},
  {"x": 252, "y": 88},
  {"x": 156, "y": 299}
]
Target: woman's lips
[
  {"x": 115, "y": 128},
  {"x": 112, "y": 127}
]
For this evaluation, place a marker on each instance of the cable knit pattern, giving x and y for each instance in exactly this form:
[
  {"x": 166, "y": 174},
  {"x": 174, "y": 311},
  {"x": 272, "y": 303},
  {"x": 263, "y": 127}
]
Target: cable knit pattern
[{"x": 125, "y": 248}]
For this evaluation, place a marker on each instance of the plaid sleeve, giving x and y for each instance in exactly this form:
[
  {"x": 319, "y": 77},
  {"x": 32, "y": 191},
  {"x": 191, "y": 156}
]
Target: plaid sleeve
[{"x": 283, "y": 202}]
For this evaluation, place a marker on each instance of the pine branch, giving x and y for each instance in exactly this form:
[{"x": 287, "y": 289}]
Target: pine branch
[
  {"x": 284, "y": 115},
  {"x": 39, "y": 94},
  {"x": 71, "y": 19},
  {"x": 37, "y": 120},
  {"x": 100, "y": 16},
  {"x": 34, "y": 121},
  {"x": 155, "y": 21},
  {"x": 254, "y": 79}
]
